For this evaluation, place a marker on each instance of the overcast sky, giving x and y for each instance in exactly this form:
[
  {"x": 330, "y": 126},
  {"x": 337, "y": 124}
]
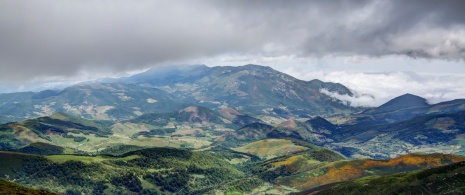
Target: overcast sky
[{"x": 57, "y": 42}]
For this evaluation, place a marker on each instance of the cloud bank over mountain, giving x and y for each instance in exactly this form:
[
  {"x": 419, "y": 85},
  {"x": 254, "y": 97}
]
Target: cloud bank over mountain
[
  {"x": 374, "y": 89},
  {"x": 66, "y": 38}
]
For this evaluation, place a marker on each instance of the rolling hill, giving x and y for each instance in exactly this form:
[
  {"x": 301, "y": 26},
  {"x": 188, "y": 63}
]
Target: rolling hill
[
  {"x": 223, "y": 130},
  {"x": 146, "y": 171},
  {"x": 7, "y": 187},
  {"x": 448, "y": 179},
  {"x": 303, "y": 173},
  {"x": 51, "y": 129},
  {"x": 251, "y": 89}
]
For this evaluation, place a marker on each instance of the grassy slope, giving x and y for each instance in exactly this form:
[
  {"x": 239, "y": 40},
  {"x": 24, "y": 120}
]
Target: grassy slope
[
  {"x": 42, "y": 149},
  {"x": 309, "y": 174},
  {"x": 11, "y": 188},
  {"x": 449, "y": 179},
  {"x": 43, "y": 129},
  {"x": 270, "y": 148},
  {"x": 318, "y": 166},
  {"x": 11, "y": 161},
  {"x": 142, "y": 171},
  {"x": 172, "y": 170}
]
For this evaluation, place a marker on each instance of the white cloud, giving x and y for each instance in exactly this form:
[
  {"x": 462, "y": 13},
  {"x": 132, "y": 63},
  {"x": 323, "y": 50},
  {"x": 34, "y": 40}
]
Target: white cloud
[
  {"x": 357, "y": 100},
  {"x": 386, "y": 86}
]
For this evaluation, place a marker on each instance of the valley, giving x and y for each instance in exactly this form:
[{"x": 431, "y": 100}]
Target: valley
[{"x": 222, "y": 130}]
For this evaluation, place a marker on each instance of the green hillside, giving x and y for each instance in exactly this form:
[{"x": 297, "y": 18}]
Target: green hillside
[
  {"x": 53, "y": 129},
  {"x": 448, "y": 179},
  {"x": 11, "y": 188},
  {"x": 144, "y": 171},
  {"x": 303, "y": 171},
  {"x": 314, "y": 131}
]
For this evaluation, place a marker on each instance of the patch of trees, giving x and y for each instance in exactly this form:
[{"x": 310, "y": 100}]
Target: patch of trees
[
  {"x": 37, "y": 149},
  {"x": 172, "y": 180},
  {"x": 323, "y": 155},
  {"x": 130, "y": 181},
  {"x": 119, "y": 150},
  {"x": 155, "y": 132},
  {"x": 99, "y": 188},
  {"x": 31, "y": 165},
  {"x": 8, "y": 141},
  {"x": 243, "y": 185}
]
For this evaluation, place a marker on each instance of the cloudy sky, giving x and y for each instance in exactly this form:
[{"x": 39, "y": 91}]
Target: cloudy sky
[{"x": 380, "y": 47}]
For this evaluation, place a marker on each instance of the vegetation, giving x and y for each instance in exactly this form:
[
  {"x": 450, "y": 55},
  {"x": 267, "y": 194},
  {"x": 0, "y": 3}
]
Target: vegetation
[
  {"x": 448, "y": 179},
  {"x": 40, "y": 148},
  {"x": 270, "y": 148},
  {"x": 45, "y": 129},
  {"x": 133, "y": 146},
  {"x": 160, "y": 169},
  {"x": 317, "y": 174},
  {"x": 7, "y": 187},
  {"x": 119, "y": 150}
]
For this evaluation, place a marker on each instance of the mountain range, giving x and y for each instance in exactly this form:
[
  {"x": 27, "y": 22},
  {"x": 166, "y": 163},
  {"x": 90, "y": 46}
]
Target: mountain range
[
  {"x": 252, "y": 89},
  {"x": 223, "y": 130}
]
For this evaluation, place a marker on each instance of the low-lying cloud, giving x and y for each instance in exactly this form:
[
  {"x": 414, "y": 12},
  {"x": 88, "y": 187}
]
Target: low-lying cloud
[{"x": 374, "y": 89}]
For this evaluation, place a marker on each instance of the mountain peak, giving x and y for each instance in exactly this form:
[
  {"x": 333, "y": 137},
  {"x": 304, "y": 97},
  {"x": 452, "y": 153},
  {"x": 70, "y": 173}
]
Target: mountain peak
[
  {"x": 289, "y": 124},
  {"x": 256, "y": 66},
  {"x": 169, "y": 74},
  {"x": 321, "y": 123},
  {"x": 404, "y": 101},
  {"x": 412, "y": 100}
]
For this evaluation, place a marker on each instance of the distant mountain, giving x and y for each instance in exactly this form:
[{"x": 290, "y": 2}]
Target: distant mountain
[
  {"x": 4, "y": 120},
  {"x": 114, "y": 101},
  {"x": 250, "y": 88},
  {"x": 402, "y": 125},
  {"x": 193, "y": 115},
  {"x": 225, "y": 130},
  {"x": 405, "y": 107},
  {"x": 314, "y": 130},
  {"x": 406, "y": 101},
  {"x": 426, "y": 133},
  {"x": 422, "y": 129},
  {"x": 170, "y": 75}
]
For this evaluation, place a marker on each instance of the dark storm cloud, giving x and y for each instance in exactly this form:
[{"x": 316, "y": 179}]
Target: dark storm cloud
[
  {"x": 64, "y": 37},
  {"x": 428, "y": 29}
]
